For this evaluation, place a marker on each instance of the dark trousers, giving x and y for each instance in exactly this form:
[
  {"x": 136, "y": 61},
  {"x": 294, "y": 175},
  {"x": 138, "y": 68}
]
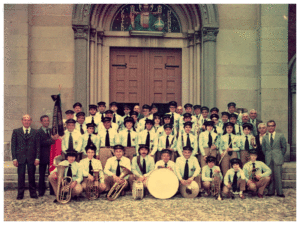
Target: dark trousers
[
  {"x": 31, "y": 178},
  {"x": 42, "y": 173}
]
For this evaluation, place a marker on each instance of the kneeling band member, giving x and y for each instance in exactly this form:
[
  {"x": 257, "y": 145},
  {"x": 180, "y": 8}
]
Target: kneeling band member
[
  {"x": 209, "y": 171},
  {"x": 73, "y": 170},
  {"x": 188, "y": 168},
  {"x": 257, "y": 174},
  {"x": 113, "y": 169},
  {"x": 235, "y": 179},
  {"x": 142, "y": 165},
  {"x": 88, "y": 165}
]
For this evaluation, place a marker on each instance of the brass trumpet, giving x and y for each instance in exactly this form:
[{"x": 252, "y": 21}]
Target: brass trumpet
[
  {"x": 92, "y": 187},
  {"x": 63, "y": 194},
  {"x": 116, "y": 190},
  {"x": 216, "y": 186}
]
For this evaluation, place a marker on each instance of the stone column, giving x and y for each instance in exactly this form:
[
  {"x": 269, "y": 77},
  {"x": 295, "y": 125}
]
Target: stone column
[
  {"x": 81, "y": 78},
  {"x": 208, "y": 83}
]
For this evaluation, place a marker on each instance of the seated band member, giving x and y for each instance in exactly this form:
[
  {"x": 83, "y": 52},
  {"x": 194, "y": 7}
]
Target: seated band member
[
  {"x": 88, "y": 165},
  {"x": 208, "y": 172},
  {"x": 207, "y": 142},
  {"x": 72, "y": 138},
  {"x": 187, "y": 167},
  {"x": 228, "y": 147},
  {"x": 187, "y": 139},
  {"x": 73, "y": 170},
  {"x": 148, "y": 137},
  {"x": 257, "y": 174},
  {"x": 88, "y": 138},
  {"x": 235, "y": 179},
  {"x": 80, "y": 124},
  {"x": 165, "y": 161},
  {"x": 141, "y": 166},
  {"x": 112, "y": 169},
  {"x": 245, "y": 142}
]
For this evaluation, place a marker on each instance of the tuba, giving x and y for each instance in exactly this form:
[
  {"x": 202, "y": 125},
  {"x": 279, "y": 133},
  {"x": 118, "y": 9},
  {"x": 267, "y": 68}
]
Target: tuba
[
  {"x": 216, "y": 186},
  {"x": 63, "y": 194},
  {"x": 116, "y": 190},
  {"x": 92, "y": 187}
]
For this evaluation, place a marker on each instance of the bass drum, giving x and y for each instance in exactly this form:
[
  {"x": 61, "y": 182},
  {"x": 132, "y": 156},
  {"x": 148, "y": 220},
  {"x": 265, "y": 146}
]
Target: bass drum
[
  {"x": 105, "y": 154},
  {"x": 162, "y": 183},
  {"x": 137, "y": 190}
]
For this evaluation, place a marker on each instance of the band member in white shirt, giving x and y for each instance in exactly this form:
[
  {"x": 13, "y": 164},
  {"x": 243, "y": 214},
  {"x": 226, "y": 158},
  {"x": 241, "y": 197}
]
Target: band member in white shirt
[
  {"x": 101, "y": 108},
  {"x": 165, "y": 161},
  {"x": 80, "y": 124},
  {"x": 116, "y": 118},
  {"x": 148, "y": 137},
  {"x": 93, "y": 118},
  {"x": 187, "y": 139},
  {"x": 114, "y": 126},
  {"x": 72, "y": 138},
  {"x": 88, "y": 138},
  {"x": 128, "y": 137}
]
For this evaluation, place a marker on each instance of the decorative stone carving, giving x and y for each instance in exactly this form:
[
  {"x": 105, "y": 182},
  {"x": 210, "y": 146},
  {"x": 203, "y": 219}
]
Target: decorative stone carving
[
  {"x": 93, "y": 35},
  {"x": 209, "y": 34},
  {"x": 100, "y": 35},
  {"x": 80, "y": 32}
]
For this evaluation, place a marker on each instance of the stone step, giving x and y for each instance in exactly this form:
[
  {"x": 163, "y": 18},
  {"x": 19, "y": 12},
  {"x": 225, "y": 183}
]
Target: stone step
[{"x": 289, "y": 184}]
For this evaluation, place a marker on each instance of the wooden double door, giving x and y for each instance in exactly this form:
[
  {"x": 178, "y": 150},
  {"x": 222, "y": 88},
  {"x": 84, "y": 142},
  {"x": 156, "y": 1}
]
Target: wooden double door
[{"x": 145, "y": 76}]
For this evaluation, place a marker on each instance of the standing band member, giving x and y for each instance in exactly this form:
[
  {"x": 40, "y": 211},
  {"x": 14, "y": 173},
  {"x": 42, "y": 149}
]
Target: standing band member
[
  {"x": 245, "y": 143},
  {"x": 148, "y": 137},
  {"x": 88, "y": 138},
  {"x": 187, "y": 139},
  {"x": 101, "y": 110},
  {"x": 80, "y": 124}
]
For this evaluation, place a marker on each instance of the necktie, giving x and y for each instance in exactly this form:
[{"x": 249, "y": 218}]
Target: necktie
[
  {"x": 209, "y": 140},
  {"x": 26, "y": 134},
  {"x": 271, "y": 140},
  {"x": 234, "y": 183},
  {"x": 230, "y": 145},
  {"x": 81, "y": 130},
  {"x": 148, "y": 139},
  {"x": 166, "y": 164},
  {"x": 252, "y": 121},
  {"x": 188, "y": 141},
  {"x": 69, "y": 173},
  {"x": 91, "y": 168},
  {"x": 211, "y": 173},
  {"x": 48, "y": 133},
  {"x": 114, "y": 119},
  {"x": 89, "y": 140},
  {"x": 253, "y": 165},
  {"x": 167, "y": 142},
  {"x": 93, "y": 119},
  {"x": 247, "y": 144},
  {"x": 172, "y": 118},
  {"x": 128, "y": 139},
  {"x": 107, "y": 142},
  {"x": 215, "y": 130},
  {"x": 118, "y": 172},
  {"x": 102, "y": 116},
  {"x": 70, "y": 141},
  {"x": 186, "y": 171},
  {"x": 144, "y": 167}
]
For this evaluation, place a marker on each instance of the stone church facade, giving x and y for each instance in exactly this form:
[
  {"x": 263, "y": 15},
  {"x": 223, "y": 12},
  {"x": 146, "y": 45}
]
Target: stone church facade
[{"x": 203, "y": 54}]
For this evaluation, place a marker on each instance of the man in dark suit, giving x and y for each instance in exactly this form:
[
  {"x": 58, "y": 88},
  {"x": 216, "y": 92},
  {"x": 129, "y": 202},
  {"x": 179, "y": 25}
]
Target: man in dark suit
[
  {"x": 25, "y": 149},
  {"x": 253, "y": 119},
  {"x": 274, "y": 148},
  {"x": 46, "y": 140},
  {"x": 262, "y": 130}
]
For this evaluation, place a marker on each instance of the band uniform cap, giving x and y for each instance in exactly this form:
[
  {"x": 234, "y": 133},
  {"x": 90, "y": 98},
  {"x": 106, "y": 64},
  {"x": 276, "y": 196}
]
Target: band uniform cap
[
  {"x": 106, "y": 119},
  {"x": 90, "y": 146},
  {"x": 232, "y": 115},
  {"x": 211, "y": 159},
  {"x": 214, "y": 109},
  {"x": 80, "y": 114},
  {"x": 204, "y": 108},
  {"x": 231, "y": 104},
  {"x": 77, "y": 104},
  {"x": 225, "y": 113},
  {"x": 90, "y": 125},
  {"x": 166, "y": 151},
  {"x": 101, "y": 103},
  {"x": 146, "y": 107},
  {"x": 168, "y": 125},
  {"x": 69, "y": 111},
  {"x": 189, "y": 123},
  {"x": 249, "y": 125},
  {"x": 153, "y": 106},
  {"x": 149, "y": 121},
  {"x": 156, "y": 115},
  {"x": 188, "y": 105},
  {"x": 253, "y": 151},
  {"x": 167, "y": 116},
  {"x": 143, "y": 146},
  {"x": 235, "y": 161},
  {"x": 92, "y": 107},
  {"x": 109, "y": 112},
  {"x": 71, "y": 152},
  {"x": 197, "y": 106},
  {"x": 119, "y": 147},
  {"x": 128, "y": 119},
  {"x": 229, "y": 124},
  {"x": 70, "y": 121},
  {"x": 188, "y": 148},
  {"x": 185, "y": 115},
  {"x": 113, "y": 103},
  {"x": 173, "y": 103},
  {"x": 214, "y": 116},
  {"x": 126, "y": 106},
  {"x": 209, "y": 123},
  {"x": 134, "y": 113}
]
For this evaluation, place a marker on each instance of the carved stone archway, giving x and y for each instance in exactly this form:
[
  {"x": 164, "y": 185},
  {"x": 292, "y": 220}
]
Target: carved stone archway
[{"x": 201, "y": 28}]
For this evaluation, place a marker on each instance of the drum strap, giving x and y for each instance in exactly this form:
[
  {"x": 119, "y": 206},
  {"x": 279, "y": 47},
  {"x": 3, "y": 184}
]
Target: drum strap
[{"x": 138, "y": 159}]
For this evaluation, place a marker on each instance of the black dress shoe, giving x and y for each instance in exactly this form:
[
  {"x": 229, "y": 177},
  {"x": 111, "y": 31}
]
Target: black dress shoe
[
  {"x": 34, "y": 196},
  {"x": 41, "y": 194},
  {"x": 282, "y": 196},
  {"x": 55, "y": 200},
  {"x": 19, "y": 197},
  {"x": 270, "y": 194}
]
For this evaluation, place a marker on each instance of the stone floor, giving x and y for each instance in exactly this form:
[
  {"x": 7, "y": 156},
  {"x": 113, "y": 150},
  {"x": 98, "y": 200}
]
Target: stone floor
[{"x": 150, "y": 209}]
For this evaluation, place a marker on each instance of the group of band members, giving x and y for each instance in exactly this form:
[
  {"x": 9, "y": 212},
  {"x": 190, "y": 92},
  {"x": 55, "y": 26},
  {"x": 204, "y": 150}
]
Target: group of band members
[{"x": 196, "y": 147}]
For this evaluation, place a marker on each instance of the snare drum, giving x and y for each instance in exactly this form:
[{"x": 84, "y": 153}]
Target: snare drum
[
  {"x": 137, "y": 190},
  {"x": 129, "y": 152},
  {"x": 162, "y": 183},
  {"x": 105, "y": 153}
]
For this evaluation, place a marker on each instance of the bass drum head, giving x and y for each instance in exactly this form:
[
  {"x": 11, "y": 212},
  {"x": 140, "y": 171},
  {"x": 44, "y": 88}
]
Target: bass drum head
[{"x": 162, "y": 183}]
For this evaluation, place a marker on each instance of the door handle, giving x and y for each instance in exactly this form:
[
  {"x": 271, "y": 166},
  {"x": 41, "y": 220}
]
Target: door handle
[
  {"x": 125, "y": 64},
  {"x": 172, "y": 66}
]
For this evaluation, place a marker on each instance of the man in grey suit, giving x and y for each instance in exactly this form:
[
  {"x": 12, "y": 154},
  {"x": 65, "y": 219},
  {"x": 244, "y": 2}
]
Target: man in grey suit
[
  {"x": 254, "y": 120},
  {"x": 274, "y": 148},
  {"x": 25, "y": 149}
]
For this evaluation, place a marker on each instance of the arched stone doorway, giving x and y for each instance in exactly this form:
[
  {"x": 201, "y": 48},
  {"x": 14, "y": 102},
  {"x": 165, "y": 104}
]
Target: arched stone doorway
[{"x": 94, "y": 38}]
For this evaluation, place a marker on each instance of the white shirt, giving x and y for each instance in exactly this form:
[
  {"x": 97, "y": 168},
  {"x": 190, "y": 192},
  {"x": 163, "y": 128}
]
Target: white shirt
[
  {"x": 273, "y": 136},
  {"x": 75, "y": 168},
  {"x": 223, "y": 144},
  {"x": 96, "y": 164},
  {"x": 264, "y": 169},
  {"x": 182, "y": 139},
  {"x": 162, "y": 163},
  {"x": 102, "y": 137},
  {"x": 142, "y": 137},
  {"x": 162, "y": 142},
  {"x": 149, "y": 160},
  {"x": 24, "y": 129},
  {"x": 203, "y": 140},
  {"x": 112, "y": 163},
  {"x": 122, "y": 138},
  {"x": 77, "y": 141},
  {"x": 97, "y": 121},
  {"x": 113, "y": 126},
  {"x": 230, "y": 174},
  {"x": 77, "y": 127},
  {"x": 243, "y": 141},
  {"x": 85, "y": 139},
  {"x": 206, "y": 173},
  {"x": 194, "y": 167}
]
